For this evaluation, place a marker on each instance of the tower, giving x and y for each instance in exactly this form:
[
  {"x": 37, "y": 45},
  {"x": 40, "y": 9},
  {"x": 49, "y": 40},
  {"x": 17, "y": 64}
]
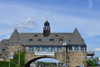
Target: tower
[{"x": 46, "y": 29}]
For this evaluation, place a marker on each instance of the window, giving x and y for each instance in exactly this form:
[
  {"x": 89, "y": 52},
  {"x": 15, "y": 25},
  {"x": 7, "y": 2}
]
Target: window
[
  {"x": 60, "y": 40},
  {"x": 70, "y": 48},
  {"x": 3, "y": 50},
  {"x": 76, "y": 48},
  {"x": 31, "y": 49},
  {"x": 44, "y": 49},
  {"x": 37, "y": 49},
  {"x": 36, "y": 35},
  {"x": 59, "y": 49},
  {"x": 39, "y": 40},
  {"x": 56, "y": 35},
  {"x": 68, "y": 60},
  {"x": 6, "y": 48},
  {"x": 30, "y": 40},
  {"x": 52, "y": 49},
  {"x": 51, "y": 40},
  {"x": 82, "y": 48}
]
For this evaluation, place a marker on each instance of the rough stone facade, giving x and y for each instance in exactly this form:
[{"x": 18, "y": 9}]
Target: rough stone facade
[{"x": 75, "y": 58}]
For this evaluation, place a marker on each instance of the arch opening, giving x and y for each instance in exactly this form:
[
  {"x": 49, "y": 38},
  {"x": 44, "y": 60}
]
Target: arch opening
[{"x": 38, "y": 58}]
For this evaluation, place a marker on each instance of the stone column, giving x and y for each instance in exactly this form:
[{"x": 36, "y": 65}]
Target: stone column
[
  {"x": 55, "y": 49},
  {"x": 84, "y": 49},
  {"x": 72, "y": 48},
  {"x": 49, "y": 49},
  {"x": 79, "y": 48},
  {"x": 40, "y": 49},
  {"x": 34, "y": 49}
]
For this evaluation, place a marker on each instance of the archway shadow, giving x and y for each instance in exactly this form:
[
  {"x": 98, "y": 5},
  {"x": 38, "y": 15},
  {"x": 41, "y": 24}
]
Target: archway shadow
[{"x": 29, "y": 62}]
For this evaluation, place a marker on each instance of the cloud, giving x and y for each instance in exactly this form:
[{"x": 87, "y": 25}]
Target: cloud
[
  {"x": 99, "y": 58},
  {"x": 8, "y": 36},
  {"x": 90, "y": 4},
  {"x": 96, "y": 49},
  {"x": 28, "y": 24}
]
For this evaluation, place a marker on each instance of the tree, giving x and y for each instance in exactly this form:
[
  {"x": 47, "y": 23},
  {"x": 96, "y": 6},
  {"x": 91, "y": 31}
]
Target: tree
[
  {"x": 22, "y": 58},
  {"x": 92, "y": 61}
]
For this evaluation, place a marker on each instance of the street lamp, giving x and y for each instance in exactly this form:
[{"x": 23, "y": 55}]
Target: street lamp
[
  {"x": 65, "y": 50},
  {"x": 19, "y": 52}
]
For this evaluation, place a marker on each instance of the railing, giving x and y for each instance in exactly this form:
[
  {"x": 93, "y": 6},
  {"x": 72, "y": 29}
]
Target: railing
[{"x": 90, "y": 53}]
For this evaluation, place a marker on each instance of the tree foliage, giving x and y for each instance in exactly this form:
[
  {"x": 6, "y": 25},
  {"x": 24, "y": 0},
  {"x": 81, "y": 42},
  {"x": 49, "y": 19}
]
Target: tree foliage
[
  {"x": 92, "y": 62},
  {"x": 16, "y": 56}
]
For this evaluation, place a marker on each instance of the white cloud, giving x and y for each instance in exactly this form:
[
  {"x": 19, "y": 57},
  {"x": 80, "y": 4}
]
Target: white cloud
[
  {"x": 90, "y": 4},
  {"x": 8, "y": 36},
  {"x": 96, "y": 49},
  {"x": 99, "y": 58},
  {"x": 29, "y": 23}
]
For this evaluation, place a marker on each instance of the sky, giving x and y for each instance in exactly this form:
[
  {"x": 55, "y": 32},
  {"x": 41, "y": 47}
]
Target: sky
[{"x": 28, "y": 16}]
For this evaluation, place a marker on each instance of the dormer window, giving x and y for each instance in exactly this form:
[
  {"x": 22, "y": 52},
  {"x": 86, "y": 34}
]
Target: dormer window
[
  {"x": 56, "y": 35},
  {"x": 30, "y": 40},
  {"x": 39, "y": 40},
  {"x": 51, "y": 40},
  {"x": 36, "y": 35},
  {"x": 60, "y": 40}
]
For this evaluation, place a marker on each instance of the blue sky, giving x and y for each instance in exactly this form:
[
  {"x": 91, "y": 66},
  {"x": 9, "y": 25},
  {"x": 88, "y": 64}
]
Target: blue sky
[{"x": 63, "y": 15}]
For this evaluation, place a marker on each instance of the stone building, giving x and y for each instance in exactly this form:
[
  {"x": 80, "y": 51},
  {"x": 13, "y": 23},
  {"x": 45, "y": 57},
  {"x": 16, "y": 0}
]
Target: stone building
[{"x": 69, "y": 48}]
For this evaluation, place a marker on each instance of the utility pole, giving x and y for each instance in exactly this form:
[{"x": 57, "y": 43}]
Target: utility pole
[
  {"x": 65, "y": 50},
  {"x": 9, "y": 52},
  {"x": 19, "y": 52}
]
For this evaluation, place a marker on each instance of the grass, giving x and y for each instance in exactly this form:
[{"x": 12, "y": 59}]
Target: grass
[{"x": 6, "y": 64}]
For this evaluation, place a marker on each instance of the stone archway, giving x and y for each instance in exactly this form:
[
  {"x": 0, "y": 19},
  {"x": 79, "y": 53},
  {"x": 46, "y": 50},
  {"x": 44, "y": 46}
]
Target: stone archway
[{"x": 29, "y": 62}]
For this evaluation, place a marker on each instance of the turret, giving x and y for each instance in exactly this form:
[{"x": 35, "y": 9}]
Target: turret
[{"x": 46, "y": 29}]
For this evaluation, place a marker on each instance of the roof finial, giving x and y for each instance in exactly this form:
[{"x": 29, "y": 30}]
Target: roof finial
[{"x": 46, "y": 18}]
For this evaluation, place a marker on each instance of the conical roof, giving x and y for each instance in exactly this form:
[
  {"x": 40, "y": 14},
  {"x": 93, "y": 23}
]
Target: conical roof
[
  {"x": 46, "y": 23},
  {"x": 76, "y": 38},
  {"x": 15, "y": 37}
]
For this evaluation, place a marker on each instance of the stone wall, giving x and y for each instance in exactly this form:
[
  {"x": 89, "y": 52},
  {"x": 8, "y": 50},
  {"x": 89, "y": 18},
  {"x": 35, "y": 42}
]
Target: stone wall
[
  {"x": 75, "y": 58},
  {"x": 13, "y": 49}
]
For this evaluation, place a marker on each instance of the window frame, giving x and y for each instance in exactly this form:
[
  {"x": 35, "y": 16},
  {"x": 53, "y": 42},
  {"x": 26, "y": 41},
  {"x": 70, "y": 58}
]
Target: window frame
[
  {"x": 52, "y": 40},
  {"x": 76, "y": 48},
  {"x": 30, "y": 40},
  {"x": 58, "y": 49}
]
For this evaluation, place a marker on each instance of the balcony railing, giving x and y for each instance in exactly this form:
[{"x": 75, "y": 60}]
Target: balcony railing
[{"x": 90, "y": 53}]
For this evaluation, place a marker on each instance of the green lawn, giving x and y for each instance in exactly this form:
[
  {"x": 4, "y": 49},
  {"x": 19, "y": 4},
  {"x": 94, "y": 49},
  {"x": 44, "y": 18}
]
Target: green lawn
[{"x": 6, "y": 64}]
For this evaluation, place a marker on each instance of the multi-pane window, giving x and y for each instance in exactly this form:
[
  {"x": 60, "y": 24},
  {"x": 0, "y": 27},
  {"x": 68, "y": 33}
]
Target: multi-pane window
[
  {"x": 82, "y": 48},
  {"x": 31, "y": 49},
  {"x": 37, "y": 49},
  {"x": 70, "y": 48},
  {"x": 60, "y": 40},
  {"x": 52, "y": 49},
  {"x": 51, "y": 40},
  {"x": 59, "y": 49},
  {"x": 44, "y": 49},
  {"x": 76, "y": 48}
]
